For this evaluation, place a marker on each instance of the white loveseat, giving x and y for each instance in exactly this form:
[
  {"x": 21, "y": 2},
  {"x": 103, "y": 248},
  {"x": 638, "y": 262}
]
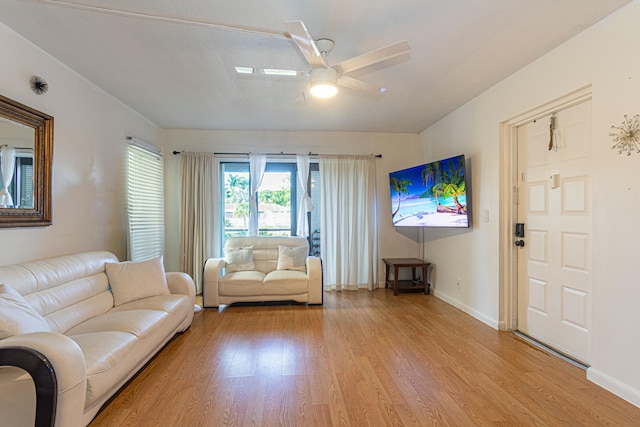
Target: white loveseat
[
  {"x": 103, "y": 320},
  {"x": 257, "y": 269}
]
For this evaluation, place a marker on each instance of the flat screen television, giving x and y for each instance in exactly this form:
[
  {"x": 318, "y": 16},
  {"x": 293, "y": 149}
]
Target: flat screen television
[{"x": 430, "y": 195}]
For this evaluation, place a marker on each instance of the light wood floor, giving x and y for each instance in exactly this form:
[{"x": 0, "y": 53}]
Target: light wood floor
[{"x": 362, "y": 359}]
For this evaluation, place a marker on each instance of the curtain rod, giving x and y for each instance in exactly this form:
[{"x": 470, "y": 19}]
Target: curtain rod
[
  {"x": 282, "y": 153},
  {"x": 17, "y": 148}
]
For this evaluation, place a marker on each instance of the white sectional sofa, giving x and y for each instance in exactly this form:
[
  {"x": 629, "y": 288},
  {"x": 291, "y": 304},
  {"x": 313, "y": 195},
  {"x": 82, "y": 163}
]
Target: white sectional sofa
[
  {"x": 83, "y": 325},
  {"x": 257, "y": 269}
]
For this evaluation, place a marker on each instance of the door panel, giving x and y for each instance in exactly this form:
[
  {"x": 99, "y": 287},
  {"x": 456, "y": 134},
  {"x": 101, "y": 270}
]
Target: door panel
[{"x": 554, "y": 266}]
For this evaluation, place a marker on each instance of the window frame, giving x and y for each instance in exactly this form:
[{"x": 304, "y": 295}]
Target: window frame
[{"x": 272, "y": 165}]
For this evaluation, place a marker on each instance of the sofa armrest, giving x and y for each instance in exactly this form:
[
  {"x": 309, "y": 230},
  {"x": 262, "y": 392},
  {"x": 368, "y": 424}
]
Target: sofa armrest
[
  {"x": 44, "y": 379},
  {"x": 181, "y": 283},
  {"x": 314, "y": 276},
  {"x": 68, "y": 371},
  {"x": 212, "y": 269}
]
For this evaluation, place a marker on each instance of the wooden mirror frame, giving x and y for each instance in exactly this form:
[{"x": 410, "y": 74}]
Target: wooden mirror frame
[{"x": 42, "y": 125}]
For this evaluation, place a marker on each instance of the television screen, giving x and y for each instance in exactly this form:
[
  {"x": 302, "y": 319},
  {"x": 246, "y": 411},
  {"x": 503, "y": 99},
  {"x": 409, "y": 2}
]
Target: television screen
[{"x": 430, "y": 195}]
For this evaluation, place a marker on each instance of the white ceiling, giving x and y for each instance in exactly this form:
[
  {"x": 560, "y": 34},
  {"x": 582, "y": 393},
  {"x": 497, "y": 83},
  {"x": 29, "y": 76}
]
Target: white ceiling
[{"x": 180, "y": 74}]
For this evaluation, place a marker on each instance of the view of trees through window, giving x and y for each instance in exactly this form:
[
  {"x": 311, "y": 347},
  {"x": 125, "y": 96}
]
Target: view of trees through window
[
  {"x": 275, "y": 214},
  {"x": 236, "y": 203}
]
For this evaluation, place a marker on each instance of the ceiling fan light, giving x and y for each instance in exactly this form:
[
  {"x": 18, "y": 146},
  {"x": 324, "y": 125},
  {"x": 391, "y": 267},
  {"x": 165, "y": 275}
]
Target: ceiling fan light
[
  {"x": 324, "y": 82},
  {"x": 324, "y": 90}
]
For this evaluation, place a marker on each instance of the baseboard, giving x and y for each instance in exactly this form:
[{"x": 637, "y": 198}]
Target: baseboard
[
  {"x": 617, "y": 387},
  {"x": 470, "y": 311}
]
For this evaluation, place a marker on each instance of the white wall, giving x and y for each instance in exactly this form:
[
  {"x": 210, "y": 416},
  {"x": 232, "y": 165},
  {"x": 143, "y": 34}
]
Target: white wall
[
  {"x": 89, "y": 133},
  {"x": 397, "y": 151},
  {"x": 603, "y": 56}
]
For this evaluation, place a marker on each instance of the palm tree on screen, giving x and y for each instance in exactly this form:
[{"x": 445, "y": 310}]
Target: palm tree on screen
[
  {"x": 454, "y": 185},
  {"x": 400, "y": 187}
]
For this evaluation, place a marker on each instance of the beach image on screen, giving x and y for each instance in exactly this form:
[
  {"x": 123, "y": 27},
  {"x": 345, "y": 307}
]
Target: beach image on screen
[{"x": 430, "y": 195}]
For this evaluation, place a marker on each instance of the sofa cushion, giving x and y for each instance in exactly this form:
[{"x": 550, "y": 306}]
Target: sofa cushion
[
  {"x": 17, "y": 316},
  {"x": 285, "y": 282},
  {"x": 141, "y": 323},
  {"x": 175, "y": 305},
  {"x": 239, "y": 259},
  {"x": 134, "y": 280},
  {"x": 292, "y": 258},
  {"x": 241, "y": 283},
  {"x": 105, "y": 354}
]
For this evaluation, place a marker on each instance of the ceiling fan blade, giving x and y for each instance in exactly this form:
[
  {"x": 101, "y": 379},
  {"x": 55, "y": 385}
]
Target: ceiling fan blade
[
  {"x": 356, "y": 84},
  {"x": 373, "y": 57},
  {"x": 303, "y": 97},
  {"x": 305, "y": 43},
  {"x": 270, "y": 72}
]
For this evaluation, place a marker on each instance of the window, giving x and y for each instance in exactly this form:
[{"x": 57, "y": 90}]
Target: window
[
  {"x": 145, "y": 202},
  {"x": 314, "y": 215},
  {"x": 278, "y": 199},
  {"x": 235, "y": 178},
  {"x": 21, "y": 187}
]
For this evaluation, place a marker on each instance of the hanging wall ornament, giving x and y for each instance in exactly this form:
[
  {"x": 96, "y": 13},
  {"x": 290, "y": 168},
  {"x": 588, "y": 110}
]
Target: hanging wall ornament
[
  {"x": 626, "y": 138},
  {"x": 553, "y": 137},
  {"x": 38, "y": 85}
]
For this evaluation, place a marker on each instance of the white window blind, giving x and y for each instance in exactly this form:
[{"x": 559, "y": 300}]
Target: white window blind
[{"x": 145, "y": 202}]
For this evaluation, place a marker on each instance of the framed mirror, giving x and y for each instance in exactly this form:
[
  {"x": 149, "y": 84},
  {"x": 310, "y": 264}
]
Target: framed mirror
[{"x": 26, "y": 158}]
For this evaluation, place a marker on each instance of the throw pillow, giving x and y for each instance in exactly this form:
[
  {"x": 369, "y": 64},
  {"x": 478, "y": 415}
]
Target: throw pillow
[
  {"x": 292, "y": 258},
  {"x": 17, "y": 316},
  {"x": 130, "y": 280},
  {"x": 239, "y": 259}
]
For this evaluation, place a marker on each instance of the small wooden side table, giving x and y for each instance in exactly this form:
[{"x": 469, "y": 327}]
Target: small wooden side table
[{"x": 414, "y": 284}]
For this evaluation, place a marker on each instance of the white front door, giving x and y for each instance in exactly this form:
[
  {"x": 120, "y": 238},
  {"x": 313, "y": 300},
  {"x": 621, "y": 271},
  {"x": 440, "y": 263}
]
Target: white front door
[{"x": 554, "y": 204}]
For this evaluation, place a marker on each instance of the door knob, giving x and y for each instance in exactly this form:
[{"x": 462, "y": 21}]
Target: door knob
[{"x": 520, "y": 243}]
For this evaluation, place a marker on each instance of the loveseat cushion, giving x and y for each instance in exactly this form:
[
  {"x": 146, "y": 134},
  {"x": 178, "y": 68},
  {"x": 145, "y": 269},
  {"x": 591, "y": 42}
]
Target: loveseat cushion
[
  {"x": 292, "y": 258},
  {"x": 285, "y": 282},
  {"x": 265, "y": 248},
  {"x": 242, "y": 283},
  {"x": 239, "y": 259},
  {"x": 105, "y": 356}
]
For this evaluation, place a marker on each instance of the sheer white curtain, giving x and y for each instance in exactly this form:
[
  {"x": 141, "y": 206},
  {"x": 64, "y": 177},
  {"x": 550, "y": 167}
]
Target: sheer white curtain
[
  {"x": 257, "y": 165},
  {"x": 8, "y": 155},
  {"x": 302, "y": 161},
  {"x": 348, "y": 221},
  {"x": 199, "y": 235}
]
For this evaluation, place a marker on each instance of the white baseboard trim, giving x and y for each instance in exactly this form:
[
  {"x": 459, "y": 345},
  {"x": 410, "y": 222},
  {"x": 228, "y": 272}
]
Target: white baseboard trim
[
  {"x": 470, "y": 311},
  {"x": 623, "y": 390}
]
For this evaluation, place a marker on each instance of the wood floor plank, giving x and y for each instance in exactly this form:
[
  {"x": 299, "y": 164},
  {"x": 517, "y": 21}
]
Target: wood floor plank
[{"x": 362, "y": 359}]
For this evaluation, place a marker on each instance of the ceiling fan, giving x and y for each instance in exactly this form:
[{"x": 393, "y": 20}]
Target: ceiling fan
[{"x": 323, "y": 78}]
